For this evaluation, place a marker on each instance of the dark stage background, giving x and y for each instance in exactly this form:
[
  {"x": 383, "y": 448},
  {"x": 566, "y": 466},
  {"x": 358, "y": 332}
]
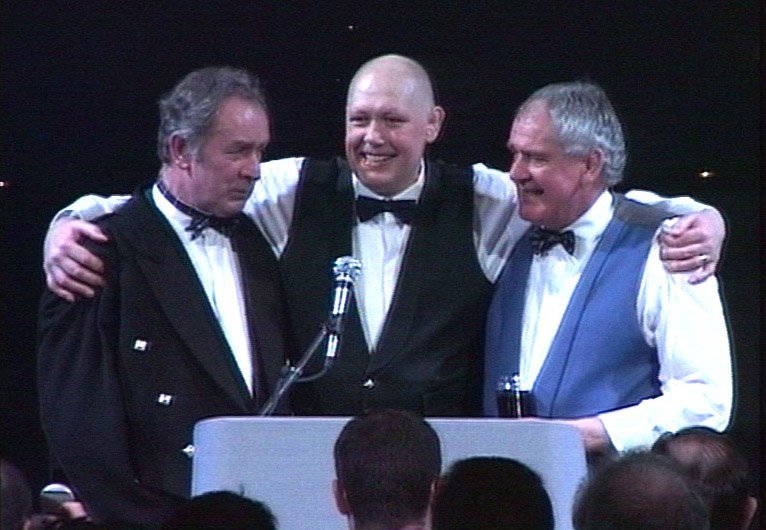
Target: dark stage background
[{"x": 80, "y": 82}]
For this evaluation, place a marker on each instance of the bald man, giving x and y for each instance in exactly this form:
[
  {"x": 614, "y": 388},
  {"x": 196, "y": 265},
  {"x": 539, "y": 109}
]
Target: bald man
[{"x": 432, "y": 239}]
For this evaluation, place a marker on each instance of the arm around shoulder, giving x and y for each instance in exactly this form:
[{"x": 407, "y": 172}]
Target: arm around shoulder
[
  {"x": 71, "y": 270},
  {"x": 695, "y": 241}
]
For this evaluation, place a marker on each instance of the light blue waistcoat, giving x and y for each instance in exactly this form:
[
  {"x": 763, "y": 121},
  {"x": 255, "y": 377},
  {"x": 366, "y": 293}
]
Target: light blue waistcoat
[{"x": 598, "y": 360}]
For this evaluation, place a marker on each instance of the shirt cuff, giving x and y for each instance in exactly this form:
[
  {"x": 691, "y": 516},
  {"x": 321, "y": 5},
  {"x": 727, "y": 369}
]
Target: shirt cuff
[
  {"x": 64, "y": 214},
  {"x": 628, "y": 428}
]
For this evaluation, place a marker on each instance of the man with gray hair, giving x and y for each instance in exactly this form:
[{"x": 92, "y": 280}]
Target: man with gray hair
[
  {"x": 598, "y": 331},
  {"x": 189, "y": 323}
]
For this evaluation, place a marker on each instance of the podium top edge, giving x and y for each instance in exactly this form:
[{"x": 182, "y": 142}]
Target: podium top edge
[{"x": 533, "y": 423}]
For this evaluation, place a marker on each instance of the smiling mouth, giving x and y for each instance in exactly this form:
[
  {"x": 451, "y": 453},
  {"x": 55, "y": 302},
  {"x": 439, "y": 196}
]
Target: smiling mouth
[
  {"x": 373, "y": 159},
  {"x": 531, "y": 192}
]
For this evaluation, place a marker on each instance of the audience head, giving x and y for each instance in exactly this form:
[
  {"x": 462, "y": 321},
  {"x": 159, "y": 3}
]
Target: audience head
[
  {"x": 488, "y": 493},
  {"x": 16, "y": 497},
  {"x": 640, "y": 491},
  {"x": 222, "y": 509},
  {"x": 214, "y": 128},
  {"x": 567, "y": 147},
  {"x": 713, "y": 462},
  {"x": 386, "y": 464},
  {"x": 390, "y": 119}
]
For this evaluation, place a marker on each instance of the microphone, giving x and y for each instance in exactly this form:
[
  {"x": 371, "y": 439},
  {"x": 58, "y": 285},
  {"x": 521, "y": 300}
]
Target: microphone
[
  {"x": 53, "y": 496},
  {"x": 345, "y": 271}
]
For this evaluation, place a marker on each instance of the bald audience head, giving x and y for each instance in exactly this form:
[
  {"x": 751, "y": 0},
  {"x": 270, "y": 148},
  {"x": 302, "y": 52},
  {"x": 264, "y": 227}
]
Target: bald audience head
[
  {"x": 711, "y": 460},
  {"x": 390, "y": 119},
  {"x": 640, "y": 491}
]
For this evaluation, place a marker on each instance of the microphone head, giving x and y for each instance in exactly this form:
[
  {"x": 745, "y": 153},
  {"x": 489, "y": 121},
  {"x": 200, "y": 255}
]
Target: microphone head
[
  {"x": 53, "y": 496},
  {"x": 347, "y": 268}
]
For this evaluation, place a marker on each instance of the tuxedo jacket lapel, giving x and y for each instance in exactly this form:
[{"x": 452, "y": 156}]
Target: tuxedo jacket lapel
[
  {"x": 174, "y": 282},
  {"x": 264, "y": 319},
  {"x": 401, "y": 314}
]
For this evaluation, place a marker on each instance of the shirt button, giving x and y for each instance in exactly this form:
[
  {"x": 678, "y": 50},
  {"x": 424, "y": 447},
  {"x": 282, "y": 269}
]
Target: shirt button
[{"x": 369, "y": 384}]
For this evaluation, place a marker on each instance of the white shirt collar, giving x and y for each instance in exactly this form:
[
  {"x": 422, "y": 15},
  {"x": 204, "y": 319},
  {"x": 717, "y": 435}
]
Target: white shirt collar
[
  {"x": 177, "y": 219},
  {"x": 587, "y": 230},
  {"x": 173, "y": 214},
  {"x": 590, "y": 225}
]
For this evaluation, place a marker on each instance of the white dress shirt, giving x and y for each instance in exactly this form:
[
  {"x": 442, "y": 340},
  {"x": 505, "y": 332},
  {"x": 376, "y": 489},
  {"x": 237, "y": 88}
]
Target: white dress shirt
[
  {"x": 217, "y": 268},
  {"x": 684, "y": 322},
  {"x": 379, "y": 244}
]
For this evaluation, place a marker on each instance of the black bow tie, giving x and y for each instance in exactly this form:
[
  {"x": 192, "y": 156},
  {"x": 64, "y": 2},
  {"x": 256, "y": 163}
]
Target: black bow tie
[
  {"x": 222, "y": 225},
  {"x": 200, "y": 220},
  {"x": 543, "y": 240},
  {"x": 404, "y": 210}
]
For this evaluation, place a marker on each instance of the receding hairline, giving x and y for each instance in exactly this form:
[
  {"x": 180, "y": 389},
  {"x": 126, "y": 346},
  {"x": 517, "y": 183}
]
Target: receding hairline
[{"x": 409, "y": 68}]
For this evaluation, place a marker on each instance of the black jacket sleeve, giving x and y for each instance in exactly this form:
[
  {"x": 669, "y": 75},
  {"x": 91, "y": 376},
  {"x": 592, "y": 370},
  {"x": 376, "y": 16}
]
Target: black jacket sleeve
[{"x": 82, "y": 406}]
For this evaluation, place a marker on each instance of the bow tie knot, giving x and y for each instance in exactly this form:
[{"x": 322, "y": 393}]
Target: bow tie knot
[
  {"x": 200, "y": 220},
  {"x": 223, "y": 225},
  {"x": 404, "y": 210},
  {"x": 543, "y": 240}
]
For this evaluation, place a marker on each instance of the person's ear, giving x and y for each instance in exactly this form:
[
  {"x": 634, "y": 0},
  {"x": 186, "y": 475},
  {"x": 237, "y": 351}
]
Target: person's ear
[
  {"x": 751, "y": 506},
  {"x": 434, "y": 488},
  {"x": 341, "y": 500},
  {"x": 180, "y": 155},
  {"x": 431, "y": 500},
  {"x": 434, "y": 124},
  {"x": 594, "y": 165}
]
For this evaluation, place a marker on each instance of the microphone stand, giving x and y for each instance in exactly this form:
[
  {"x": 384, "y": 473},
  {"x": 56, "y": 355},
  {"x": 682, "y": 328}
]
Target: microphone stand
[
  {"x": 292, "y": 374},
  {"x": 345, "y": 271}
]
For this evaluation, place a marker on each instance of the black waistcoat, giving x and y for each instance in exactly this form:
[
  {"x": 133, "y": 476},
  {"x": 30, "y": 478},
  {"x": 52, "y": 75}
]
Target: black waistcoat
[{"x": 428, "y": 358}]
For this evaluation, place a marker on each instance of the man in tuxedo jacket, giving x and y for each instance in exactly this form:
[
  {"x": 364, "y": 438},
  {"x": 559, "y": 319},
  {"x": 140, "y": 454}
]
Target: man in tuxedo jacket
[{"x": 189, "y": 323}]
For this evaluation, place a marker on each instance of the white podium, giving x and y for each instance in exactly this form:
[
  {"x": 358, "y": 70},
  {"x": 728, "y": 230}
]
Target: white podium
[{"x": 287, "y": 462}]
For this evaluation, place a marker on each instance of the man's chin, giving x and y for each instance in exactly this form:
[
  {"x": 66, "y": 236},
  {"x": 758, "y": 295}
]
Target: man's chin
[
  {"x": 383, "y": 182},
  {"x": 382, "y": 186},
  {"x": 374, "y": 179},
  {"x": 231, "y": 208},
  {"x": 532, "y": 215}
]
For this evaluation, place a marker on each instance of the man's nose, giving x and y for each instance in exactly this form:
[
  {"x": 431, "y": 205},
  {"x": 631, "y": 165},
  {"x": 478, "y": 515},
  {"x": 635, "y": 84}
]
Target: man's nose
[
  {"x": 251, "y": 167},
  {"x": 373, "y": 133},
  {"x": 519, "y": 169}
]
